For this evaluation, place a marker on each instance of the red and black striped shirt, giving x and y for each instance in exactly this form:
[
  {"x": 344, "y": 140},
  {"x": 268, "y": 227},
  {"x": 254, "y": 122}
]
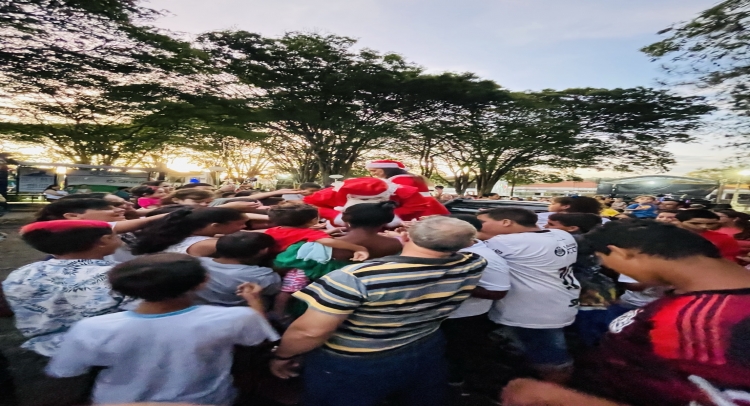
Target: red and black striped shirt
[{"x": 649, "y": 353}]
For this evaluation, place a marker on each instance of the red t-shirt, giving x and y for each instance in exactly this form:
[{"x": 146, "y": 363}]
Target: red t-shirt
[
  {"x": 286, "y": 236},
  {"x": 727, "y": 245},
  {"x": 649, "y": 353}
]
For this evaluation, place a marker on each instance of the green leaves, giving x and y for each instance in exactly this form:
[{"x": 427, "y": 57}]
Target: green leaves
[{"x": 712, "y": 52}]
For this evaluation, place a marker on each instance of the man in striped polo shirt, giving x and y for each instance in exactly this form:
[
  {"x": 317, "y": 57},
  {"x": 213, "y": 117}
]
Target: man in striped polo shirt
[{"x": 374, "y": 326}]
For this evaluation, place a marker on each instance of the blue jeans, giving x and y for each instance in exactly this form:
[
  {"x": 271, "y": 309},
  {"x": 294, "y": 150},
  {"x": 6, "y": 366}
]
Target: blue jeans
[
  {"x": 414, "y": 375},
  {"x": 543, "y": 347}
]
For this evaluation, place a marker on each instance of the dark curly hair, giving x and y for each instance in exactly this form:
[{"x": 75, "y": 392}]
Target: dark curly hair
[
  {"x": 161, "y": 234},
  {"x": 369, "y": 215}
]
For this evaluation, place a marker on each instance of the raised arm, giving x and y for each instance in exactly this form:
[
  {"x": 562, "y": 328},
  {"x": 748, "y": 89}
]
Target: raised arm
[
  {"x": 360, "y": 252},
  {"x": 127, "y": 226}
]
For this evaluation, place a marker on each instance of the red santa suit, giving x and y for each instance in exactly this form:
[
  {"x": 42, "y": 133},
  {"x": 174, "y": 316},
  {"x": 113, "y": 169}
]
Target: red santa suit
[
  {"x": 407, "y": 179},
  {"x": 332, "y": 202}
]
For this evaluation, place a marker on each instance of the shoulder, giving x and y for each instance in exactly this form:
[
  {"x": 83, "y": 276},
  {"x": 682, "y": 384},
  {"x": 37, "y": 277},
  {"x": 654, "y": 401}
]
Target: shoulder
[
  {"x": 101, "y": 324},
  {"x": 318, "y": 234},
  {"x": 220, "y": 313},
  {"x": 561, "y": 234},
  {"x": 25, "y": 272},
  {"x": 717, "y": 236},
  {"x": 484, "y": 251}
]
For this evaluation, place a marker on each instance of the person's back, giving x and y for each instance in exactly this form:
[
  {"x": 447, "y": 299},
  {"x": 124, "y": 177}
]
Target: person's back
[
  {"x": 183, "y": 356},
  {"x": 365, "y": 221},
  {"x": 47, "y": 297},
  {"x": 398, "y": 301},
  {"x": 704, "y": 330},
  {"x": 237, "y": 256},
  {"x": 166, "y": 350},
  {"x": 544, "y": 292},
  {"x": 376, "y": 323}
]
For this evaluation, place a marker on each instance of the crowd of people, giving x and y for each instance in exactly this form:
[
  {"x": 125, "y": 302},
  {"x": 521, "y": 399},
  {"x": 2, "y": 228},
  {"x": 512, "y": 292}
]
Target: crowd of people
[{"x": 371, "y": 291}]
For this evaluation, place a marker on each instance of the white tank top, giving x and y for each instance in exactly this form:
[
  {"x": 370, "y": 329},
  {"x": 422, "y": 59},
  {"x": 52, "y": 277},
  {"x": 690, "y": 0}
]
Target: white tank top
[{"x": 182, "y": 246}]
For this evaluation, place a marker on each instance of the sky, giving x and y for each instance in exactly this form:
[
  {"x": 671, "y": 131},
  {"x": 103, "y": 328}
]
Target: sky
[{"x": 520, "y": 44}]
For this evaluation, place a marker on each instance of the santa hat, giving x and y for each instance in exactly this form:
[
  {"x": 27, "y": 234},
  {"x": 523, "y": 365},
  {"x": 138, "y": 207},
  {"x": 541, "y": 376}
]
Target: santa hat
[
  {"x": 385, "y": 163},
  {"x": 364, "y": 189}
]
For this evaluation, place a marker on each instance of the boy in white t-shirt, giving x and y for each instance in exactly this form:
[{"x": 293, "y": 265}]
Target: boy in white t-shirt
[
  {"x": 544, "y": 293},
  {"x": 167, "y": 350},
  {"x": 467, "y": 327}
]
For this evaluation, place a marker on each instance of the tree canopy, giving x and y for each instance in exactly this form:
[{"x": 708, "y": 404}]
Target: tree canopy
[
  {"x": 96, "y": 82},
  {"x": 712, "y": 51}
]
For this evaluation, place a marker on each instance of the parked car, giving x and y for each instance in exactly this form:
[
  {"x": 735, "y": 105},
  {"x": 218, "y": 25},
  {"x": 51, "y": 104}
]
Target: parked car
[{"x": 469, "y": 206}]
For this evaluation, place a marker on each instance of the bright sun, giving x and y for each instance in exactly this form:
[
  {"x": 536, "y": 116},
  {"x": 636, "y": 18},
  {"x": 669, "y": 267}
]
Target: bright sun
[{"x": 182, "y": 164}]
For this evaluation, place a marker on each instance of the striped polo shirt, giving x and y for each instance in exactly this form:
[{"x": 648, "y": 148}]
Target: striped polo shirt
[{"x": 392, "y": 301}]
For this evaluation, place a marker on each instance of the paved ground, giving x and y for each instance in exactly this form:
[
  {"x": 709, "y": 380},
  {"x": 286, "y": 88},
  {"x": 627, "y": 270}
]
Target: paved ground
[
  {"x": 34, "y": 389},
  {"x": 25, "y": 367}
]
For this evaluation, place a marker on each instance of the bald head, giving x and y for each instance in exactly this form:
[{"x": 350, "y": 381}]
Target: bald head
[{"x": 442, "y": 234}]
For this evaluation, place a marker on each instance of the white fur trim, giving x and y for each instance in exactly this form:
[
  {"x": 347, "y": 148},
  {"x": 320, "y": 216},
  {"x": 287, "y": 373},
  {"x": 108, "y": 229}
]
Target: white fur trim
[
  {"x": 395, "y": 223},
  {"x": 383, "y": 196},
  {"x": 426, "y": 194},
  {"x": 381, "y": 165},
  {"x": 338, "y": 221}
]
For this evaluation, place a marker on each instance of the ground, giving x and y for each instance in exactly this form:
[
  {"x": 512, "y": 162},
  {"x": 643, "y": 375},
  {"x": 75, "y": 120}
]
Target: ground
[
  {"x": 34, "y": 389},
  {"x": 25, "y": 367}
]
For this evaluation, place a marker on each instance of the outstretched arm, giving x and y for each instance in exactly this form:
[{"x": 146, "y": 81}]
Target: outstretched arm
[
  {"x": 127, "y": 226},
  {"x": 360, "y": 252}
]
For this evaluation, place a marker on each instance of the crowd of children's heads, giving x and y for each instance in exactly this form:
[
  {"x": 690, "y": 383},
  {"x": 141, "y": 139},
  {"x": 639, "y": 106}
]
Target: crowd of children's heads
[
  {"x": 81, "y": 227},
  {"x": 185, "y": 222}
]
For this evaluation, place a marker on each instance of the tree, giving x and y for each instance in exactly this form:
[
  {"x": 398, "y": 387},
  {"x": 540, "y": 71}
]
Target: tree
[
  {"x": 711, "y": 52},
  {"x": 718, "y": 174},
  {"x": 91, "y": 80},
  {"x": 317, "y": 91},
  {"x": 428, "y": 104},
  {"x": 83, "y": 43},
  {"x": 620, "y": 128}
]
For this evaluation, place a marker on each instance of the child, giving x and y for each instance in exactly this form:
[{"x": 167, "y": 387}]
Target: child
[
  {"x": 570, "y": 204},
  {"x": 619, "y": 204},
  {"x": 293, "y": 221},
  {"x": 237, "y": 256},
  {"x": 598, "y": 291},
  {"x": 149, "y": 197},
  {"x": 49, "y": 296},
  {"x": 167, "y": 349},
  {"x": 188, "y": 230},
  {"x": 645, "y": 207},
  {"x": 701, "y": 329},
  {"x": 365, "y": 221}
]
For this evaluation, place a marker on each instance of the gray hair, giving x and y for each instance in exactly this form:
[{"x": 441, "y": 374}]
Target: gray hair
[{"x": 442, "y": 234}]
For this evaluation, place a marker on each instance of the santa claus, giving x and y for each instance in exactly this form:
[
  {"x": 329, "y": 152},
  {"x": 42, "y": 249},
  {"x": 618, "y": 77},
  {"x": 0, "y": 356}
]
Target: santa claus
[
  {"x": 395, "y": 172},
  {"x": 332, "y": 202}
]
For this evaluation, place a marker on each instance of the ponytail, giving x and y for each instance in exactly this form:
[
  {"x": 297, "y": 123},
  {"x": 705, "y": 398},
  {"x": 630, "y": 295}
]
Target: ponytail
[{"x": 178, "y": 225}]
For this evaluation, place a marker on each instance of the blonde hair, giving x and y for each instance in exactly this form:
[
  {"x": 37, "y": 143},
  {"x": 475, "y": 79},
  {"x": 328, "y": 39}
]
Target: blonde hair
[{"x": 646, "y": 197}]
